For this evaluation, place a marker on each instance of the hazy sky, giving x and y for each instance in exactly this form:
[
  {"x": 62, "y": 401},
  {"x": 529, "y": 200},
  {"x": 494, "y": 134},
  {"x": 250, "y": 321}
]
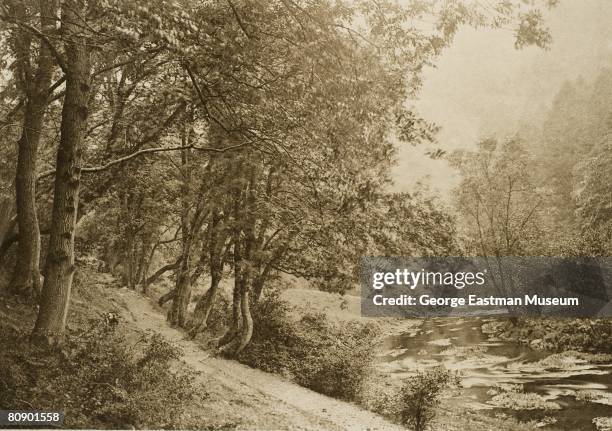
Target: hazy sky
[{"x": 483, "y": 85}]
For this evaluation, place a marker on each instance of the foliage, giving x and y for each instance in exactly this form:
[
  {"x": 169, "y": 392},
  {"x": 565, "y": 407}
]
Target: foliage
[
  {"x": 561, "y": 205},
  {"x": 570, "y": 151},
  {"x": 420, "y": 396},
  {"x": 98, "y": 379},
  {"x": 499, "y": 200},
  {"x": 594, "y": 207},
  {"x": 603, "y": 423},
  {"x": 588, "y": 335},
  {"x": 264, "y": 130},
  {"x": 414, "y": 402},
  {"x": 332, "y": 359},
  {"x": 514, "y": 397}
]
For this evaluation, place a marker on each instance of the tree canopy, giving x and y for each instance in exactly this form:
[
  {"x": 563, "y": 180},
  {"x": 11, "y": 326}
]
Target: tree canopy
[{"x": 240, "y": 138}]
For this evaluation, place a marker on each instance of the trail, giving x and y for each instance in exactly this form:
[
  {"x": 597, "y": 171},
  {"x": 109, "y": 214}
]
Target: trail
[{"x": 250, "y": 397}]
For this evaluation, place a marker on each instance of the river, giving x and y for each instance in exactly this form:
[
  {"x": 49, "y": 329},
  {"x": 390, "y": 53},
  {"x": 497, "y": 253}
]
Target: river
[{"x": 575, "y": 390}]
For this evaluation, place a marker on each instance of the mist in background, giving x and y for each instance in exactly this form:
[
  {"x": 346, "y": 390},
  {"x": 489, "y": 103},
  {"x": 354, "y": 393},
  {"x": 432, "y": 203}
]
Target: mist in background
[{"x": 483, "y": 86}]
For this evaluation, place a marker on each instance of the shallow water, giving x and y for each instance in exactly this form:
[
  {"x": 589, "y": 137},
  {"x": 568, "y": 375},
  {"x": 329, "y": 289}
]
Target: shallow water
[{"x": 459, "y": 344}]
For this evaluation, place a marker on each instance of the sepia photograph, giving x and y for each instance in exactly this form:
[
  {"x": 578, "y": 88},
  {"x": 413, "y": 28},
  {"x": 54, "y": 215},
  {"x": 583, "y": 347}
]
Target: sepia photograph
[{"x": 274, "y": 215}]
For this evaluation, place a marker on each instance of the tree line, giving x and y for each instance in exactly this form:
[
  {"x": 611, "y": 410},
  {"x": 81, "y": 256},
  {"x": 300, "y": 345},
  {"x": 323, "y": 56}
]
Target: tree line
[{"x": 543, "y": 191}]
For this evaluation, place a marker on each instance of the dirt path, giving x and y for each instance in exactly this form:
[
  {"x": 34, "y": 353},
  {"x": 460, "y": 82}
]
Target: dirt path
[{"x": 248, "y": 398}]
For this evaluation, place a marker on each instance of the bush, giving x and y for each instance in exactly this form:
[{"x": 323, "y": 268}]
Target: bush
[
  {"x": 332, "y": 359},
  {"x": 97, "y": 379},
  {"x": 338, "y": 357},
  {"x": 589, "y": 335},
  {"x": 414, "y": 401},
  {"x": 514, "y": 397},
  {"x": 420, "y": 396}
]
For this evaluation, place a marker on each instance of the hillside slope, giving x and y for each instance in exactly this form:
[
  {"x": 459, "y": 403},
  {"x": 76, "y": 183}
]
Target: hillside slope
[{"x": 252, "y": 398}]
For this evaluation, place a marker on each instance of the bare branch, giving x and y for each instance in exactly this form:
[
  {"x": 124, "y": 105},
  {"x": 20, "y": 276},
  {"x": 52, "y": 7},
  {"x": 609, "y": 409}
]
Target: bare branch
[
  {"x": 238, "y": 19},
  {"x": 61, "y": 61},
  {"x": 132, "y": 59},
  {"x": 203, "y": 98},
  {"x": 110, "y": 164}
]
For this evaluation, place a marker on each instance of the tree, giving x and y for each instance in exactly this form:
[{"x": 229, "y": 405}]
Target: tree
[
  {"x": 420, "y": 396},
  {"x": 59, "y": 268},
  {"x": 499, "y": 199},
  {"x": 76, "y": 62},
  {"x": 501, "y": 206},
  {"x": 34, "y": 67},
  {"x": 307, "y": 226},
  {"x": 569, "y": 150},
  {"x": 594, "y": 207},
  {"x": 308, "y": 93}
]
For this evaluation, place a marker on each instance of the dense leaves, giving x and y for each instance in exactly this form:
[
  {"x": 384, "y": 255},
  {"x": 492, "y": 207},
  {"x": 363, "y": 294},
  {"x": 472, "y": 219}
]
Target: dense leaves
[
  {"x": 331, "y": 358},
  {"x": 254, "y": 137},
  {"x": 98, "y": 379}
]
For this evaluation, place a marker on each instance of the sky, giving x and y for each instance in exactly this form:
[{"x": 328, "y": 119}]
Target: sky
[{"x": 483, "y": 86}]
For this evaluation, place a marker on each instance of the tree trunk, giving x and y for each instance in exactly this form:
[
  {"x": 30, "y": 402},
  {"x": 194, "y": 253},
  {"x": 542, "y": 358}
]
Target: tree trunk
[
  {"x": 166, "y": 297},
  {"x": 7, "y": 218},
  {"x": 26, "y": 276},
  {"x": 229, "y": 336},
  {"x": 204, "y": 306},
  {"x": 59, "y": 269},
  {"x": 153, "y": 277},
  {"x": 178, "y": 313},
  {"x": 216, "y": 240},
  {"x": 225, "y": 343},
  {"x": 246, "y": 332},
  {"x": 241, "y": 332},
  {"x": 142, "y": 261},
  {"x": 258, "y": 285},
  {"x": 6, "y": 244},
  {"x": 8, "y": 221},
  {"x": 128, "y": 269}
]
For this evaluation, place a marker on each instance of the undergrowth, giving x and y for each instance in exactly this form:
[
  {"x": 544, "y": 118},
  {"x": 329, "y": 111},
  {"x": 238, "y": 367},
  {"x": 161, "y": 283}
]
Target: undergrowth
[
  {"x": 330, "y": 358},
  {"x": 98, "y": 379},
  {"x": 588, "y": 335}
]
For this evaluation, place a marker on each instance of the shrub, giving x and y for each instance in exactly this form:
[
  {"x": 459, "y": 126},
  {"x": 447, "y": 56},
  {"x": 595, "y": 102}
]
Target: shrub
[
  {"x": 590, "y": 335},
  {"x": 382, "y": 396},
  {"x": 332, "y": 359},
  {"x": 275, "y": 340},
  {"x": 420, "y": 396},
  {"x": 514, "y": 397},
  {"x": 98, "y": 379},
  {"x": 338, "y": 359},
  {"x": 412, "y": 403}
]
